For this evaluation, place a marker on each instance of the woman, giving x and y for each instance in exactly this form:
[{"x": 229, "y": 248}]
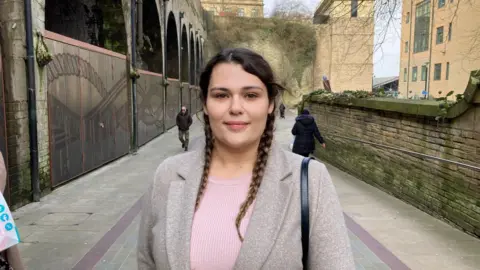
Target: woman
[
  {"x": 304, "y": 130},
  {"x": 197, "y": 212},
  {"x": 10, "y": 258}
]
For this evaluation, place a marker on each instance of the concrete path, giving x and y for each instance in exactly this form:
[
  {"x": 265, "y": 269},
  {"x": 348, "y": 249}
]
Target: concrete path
[{"x": 92, "y": 222}]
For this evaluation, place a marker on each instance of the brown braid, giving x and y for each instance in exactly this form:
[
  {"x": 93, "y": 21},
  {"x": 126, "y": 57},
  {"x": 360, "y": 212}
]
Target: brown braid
[
  {"x": 208, "y": 158},
  {"x": 258, "y": 170}
]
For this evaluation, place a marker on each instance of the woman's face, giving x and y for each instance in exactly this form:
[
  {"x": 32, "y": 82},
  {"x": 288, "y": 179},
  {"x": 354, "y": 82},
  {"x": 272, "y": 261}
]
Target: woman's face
[{"x": 237, "y": 106}]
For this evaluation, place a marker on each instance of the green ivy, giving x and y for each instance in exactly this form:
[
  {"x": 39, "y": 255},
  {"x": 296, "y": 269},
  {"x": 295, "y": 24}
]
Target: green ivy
[{"x": 446, "y": 104}]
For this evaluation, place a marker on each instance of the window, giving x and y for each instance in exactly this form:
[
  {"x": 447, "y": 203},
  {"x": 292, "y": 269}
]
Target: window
[
  {"x": 254, "y": 12},
  {"x": 424, "y": 73},
  {"x": 447, "y": 71},
  {"x": 441, "y": 3},
  {"x": 407, "y": 20},
  {"x": 406, "y": 46},
  {"x": 422, "y": 23},
  {"x": 449, "y": 31},
  {"x": 354, "y": 11},
  {"x": 437, "y": 75},
  {"x": 414, "y": 74},
  {"x": 440, "y": 35},
  {"x": 240, "y": 12},
  {"x": 405, "y": 74}
]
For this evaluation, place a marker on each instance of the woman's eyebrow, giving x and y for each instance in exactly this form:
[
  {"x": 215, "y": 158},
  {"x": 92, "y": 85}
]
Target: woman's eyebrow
[{"x": 245, "y": 88}]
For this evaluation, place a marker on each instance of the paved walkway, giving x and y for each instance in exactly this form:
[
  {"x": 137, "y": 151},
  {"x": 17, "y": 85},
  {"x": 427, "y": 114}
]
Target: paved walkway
[{"x": 91, "y": 223}]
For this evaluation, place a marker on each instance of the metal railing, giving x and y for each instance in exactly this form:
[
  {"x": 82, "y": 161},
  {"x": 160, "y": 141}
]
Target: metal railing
[{"x": 460, "y": 164}]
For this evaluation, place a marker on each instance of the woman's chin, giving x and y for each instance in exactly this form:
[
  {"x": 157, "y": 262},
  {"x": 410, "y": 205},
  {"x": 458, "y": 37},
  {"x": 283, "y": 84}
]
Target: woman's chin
[{"x": 237, "y": 143}]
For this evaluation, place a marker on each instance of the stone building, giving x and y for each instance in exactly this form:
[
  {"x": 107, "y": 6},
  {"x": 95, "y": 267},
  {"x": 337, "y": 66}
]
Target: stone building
[
  {"x": 345, "y": 36},
  {"x": 439, "y": 48},
  {"x": 95, "y": 100},
  {"x": 240, "y": 8}
]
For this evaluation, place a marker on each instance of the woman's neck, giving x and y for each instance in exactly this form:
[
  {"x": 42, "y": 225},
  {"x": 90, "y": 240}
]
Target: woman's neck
[{"x": 227, "y": 162}]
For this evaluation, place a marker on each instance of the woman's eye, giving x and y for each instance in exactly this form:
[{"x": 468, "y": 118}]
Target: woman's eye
[
  {"x": 251, "y": 95},
  {"x": 220, "y": 95}
]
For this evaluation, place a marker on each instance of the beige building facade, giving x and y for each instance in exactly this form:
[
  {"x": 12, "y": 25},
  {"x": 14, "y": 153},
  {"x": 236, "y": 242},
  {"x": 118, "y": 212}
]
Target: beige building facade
[
  {"x": 240, "y": 8},
  {"x": 439, "y": 49},
  {"x": 345, "y": 36}
]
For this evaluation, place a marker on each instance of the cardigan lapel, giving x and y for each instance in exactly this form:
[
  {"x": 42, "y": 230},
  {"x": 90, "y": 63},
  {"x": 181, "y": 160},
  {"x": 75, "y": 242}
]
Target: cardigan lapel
[
  {"x": 269, "y": 212},
  {"x": 182, "y": 195}
]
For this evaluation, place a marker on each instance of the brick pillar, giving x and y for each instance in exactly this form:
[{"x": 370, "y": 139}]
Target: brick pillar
[{"x": 12, "y": 37}]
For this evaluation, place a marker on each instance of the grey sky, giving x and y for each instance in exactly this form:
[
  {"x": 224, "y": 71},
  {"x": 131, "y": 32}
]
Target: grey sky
[{"x": 386, "y": 60}]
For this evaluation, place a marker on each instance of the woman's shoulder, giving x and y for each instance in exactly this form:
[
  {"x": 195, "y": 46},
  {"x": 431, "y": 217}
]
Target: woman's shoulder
[
  {"x": 168, "y": 169},
  {"x": 295, "y": 160},
  {"x": 317, "y": 171}
]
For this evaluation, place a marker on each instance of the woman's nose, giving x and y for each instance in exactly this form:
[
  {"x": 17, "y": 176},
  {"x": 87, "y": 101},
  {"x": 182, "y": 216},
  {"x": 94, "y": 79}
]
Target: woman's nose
[{"x": 236, "y": 106}]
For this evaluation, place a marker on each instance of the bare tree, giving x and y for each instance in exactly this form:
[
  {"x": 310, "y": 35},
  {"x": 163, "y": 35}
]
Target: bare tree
[{"x": 292, "y": 9}]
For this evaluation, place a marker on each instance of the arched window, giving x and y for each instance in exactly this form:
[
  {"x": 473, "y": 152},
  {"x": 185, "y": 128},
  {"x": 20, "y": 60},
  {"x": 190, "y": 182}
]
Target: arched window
[{"x": 254, "y": 12}]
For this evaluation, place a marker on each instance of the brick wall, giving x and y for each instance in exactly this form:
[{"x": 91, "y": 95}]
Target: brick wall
[{"x": 441, "y": 189}]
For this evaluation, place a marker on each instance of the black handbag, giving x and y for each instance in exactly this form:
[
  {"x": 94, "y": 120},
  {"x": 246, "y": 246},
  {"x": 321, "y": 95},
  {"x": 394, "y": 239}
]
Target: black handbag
[{"x": 305, "y": 210}]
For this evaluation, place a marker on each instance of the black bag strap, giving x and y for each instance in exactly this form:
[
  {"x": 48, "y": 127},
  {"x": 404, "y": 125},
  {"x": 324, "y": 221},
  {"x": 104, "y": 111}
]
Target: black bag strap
[{"x": 305, "y": 210}]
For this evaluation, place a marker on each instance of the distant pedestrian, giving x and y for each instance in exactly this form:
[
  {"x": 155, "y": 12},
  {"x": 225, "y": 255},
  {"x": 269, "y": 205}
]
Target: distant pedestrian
[
  {"x": 282, "y": 110},
  {"x": 184, "y": 121},
  {"x": 304, "y": 130}
]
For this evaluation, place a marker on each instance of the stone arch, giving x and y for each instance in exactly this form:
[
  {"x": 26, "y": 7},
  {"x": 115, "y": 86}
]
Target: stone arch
[
  {"x": 197, "y": 60},
  {"x": 172, "y": 48},
  {"x": 66, "y": 64},
  {"x": 192, "y": 59},
  {"x": 100, "y": 23},
  {"x": 149, "y": 39},
  {"x": 184, "y": 54}
]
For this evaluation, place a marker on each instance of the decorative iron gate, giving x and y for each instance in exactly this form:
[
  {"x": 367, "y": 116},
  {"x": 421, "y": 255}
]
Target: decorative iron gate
[{"x": 88, "y": 108}]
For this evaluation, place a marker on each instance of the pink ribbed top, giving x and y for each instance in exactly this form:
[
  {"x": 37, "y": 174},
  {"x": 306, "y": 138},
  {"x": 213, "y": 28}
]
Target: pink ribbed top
[{"x": 214, "y": 241}]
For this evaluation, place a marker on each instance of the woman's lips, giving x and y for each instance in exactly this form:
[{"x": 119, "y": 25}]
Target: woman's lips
[{"x": 236, "y": 125}]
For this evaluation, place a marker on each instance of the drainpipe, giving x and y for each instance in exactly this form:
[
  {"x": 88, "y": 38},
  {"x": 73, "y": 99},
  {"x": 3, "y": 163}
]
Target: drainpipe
[
  {"x": 134, "y": 142},
  {"x": 140, "y": 23},
  {"x": 428, "y": 81},
  {"x": 32, "y": 107},
  {"x": 409, "y": 50},
  {"x": 180, "y": 65},
  {"x": 165, "y": 82}
]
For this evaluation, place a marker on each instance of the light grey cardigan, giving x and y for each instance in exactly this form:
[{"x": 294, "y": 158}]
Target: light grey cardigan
[{"x": 273, "y": 237}]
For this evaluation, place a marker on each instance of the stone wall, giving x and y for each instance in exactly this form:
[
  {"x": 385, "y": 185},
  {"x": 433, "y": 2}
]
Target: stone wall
[
  {"x": 442, "y": 189},
  {"x": 12, "y": 39}
]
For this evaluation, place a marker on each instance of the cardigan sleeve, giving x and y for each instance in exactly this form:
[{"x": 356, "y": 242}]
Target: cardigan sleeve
[
  {"x": 329, "y": 246},
  {"x": 145, "y": 239}
]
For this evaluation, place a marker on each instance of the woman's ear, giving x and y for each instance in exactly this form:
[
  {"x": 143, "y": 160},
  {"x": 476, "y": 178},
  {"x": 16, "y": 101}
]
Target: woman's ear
[
  {"x": 205, "y": 111},
  {"x": 271, "y": 107}
]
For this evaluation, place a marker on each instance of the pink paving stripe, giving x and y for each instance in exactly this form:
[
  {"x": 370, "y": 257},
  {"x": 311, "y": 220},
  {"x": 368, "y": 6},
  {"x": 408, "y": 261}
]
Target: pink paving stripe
[
  {"x": 94, "y": 255},
  {"x": 376, "y": 247}
]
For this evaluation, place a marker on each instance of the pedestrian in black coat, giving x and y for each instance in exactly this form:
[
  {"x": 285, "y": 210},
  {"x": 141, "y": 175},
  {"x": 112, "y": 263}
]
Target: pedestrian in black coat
[
  {"x": 304, "y": 130},
  {"x": 282, "y": 110}
]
